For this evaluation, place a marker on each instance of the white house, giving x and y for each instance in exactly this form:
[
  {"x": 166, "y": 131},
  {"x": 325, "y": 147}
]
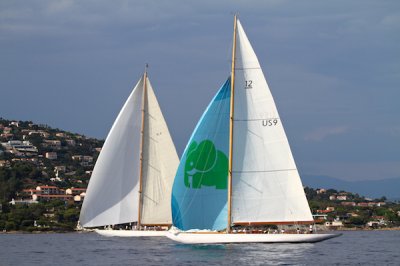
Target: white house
[{"x": 51, "y": 155}]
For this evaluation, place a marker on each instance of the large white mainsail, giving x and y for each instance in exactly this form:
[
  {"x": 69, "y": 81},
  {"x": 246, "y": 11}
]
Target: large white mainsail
[
  {"x": 113, "y": 192},
  {"x": 266, "y": 186}
]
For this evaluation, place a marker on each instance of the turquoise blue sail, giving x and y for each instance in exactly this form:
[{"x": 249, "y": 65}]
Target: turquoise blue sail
[{"x": 200, "y": 190}]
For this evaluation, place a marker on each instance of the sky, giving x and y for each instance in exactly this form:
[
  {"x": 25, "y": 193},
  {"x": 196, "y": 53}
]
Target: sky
[{"x": 333, "y": 68}]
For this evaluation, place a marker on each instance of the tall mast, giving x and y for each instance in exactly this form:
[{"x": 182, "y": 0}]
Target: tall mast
[
  {"x": 141, "y": 147},
  {"x": 228, "y": 228}
]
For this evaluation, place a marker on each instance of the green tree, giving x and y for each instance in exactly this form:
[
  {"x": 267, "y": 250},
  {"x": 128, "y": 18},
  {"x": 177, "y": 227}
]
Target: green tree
[
  {"x": 10, "y": 225},
  {"x": 358, "y": 220}
]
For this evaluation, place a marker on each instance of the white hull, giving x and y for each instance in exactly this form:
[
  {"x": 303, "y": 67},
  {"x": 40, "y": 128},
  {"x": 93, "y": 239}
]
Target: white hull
[
  {"x": 131, "y": 233},
  {"x": 221, "y": 238}
]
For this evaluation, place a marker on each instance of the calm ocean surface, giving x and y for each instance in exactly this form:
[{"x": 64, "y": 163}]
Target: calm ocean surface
[{"x": 352, "y": 248}]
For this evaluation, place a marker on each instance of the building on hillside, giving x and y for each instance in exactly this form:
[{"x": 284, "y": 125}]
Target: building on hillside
[
  {"x": 334, "y": 224},
  {"x": 48, "y": 190},
  {"x": 348, "y": 203},
  {"x": 377, "y": 221},
  {"x": 320, "y": 218},
  {"x": 353, "y": 214},
  {"x": 78, "y": 198},
  {"x": 324, "y": 211},
  {"x": 70, "y": 142},
  {"x": 19, "y": 146},
  {"x": 341, "y": 197},
  {"x": 321, "y": 191},
  {"x": 41, "y": 197},
  {"x": 14, "y": 123},
  {"x": 61, "y": 135},
  {"x": 75, "y": 191},
  {"x": 50, "y": 143},
  {"x": 381, "y": 219},
  {"x": 41, "y": 133},
  {"x": 27, "y": 193},
  {"x": 7, "y": 135},
  {"x": 47, "y": 193},
  {"x": 22, "y": 201},
  {"x": 84, "y": 159},
  {"x": 7, "y": 130},
  {"x": 33, "y": 160},
  {"x": 51, "y": 155},
  {"x": 77, "y": 157}
]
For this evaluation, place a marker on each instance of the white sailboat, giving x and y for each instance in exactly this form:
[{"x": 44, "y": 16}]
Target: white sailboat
[
  {"x": 133, "y": 176},
  {"x": 238, "y": 169}
]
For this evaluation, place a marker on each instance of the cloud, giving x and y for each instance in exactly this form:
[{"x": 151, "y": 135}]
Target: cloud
[{"x": 321, "y": 133}]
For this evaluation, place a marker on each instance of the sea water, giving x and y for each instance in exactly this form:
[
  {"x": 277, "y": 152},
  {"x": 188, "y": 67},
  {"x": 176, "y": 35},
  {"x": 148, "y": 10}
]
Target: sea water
[{"x": 352, "y": 248}]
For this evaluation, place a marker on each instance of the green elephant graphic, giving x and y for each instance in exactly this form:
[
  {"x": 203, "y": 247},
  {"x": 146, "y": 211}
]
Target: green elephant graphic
[{"x": 206, "y": 165}]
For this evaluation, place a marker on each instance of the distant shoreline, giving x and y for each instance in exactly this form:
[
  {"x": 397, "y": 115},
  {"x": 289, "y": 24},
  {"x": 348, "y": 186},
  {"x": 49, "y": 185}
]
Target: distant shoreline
[
  {"x": 80, "y": 232},
  {"x": 367, "y": 229}
]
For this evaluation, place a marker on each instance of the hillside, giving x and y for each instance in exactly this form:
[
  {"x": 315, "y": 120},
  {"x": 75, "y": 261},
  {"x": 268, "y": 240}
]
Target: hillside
[
  {"x": 33, "y": 154},
  {"x": 44, "y": 173},
  {"x": 369, "y": 188}
]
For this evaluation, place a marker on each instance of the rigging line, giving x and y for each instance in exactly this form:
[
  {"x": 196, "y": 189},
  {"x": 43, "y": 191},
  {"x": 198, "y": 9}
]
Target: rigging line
[
  {"x": 153, "y": 139},
  {"x": 154, "y": 168},
  {"x": 147, "y": 197},
  {"x": 258, "y": 136},
  {"x": 249, "y": 185},
  {"x": 257, "y": 119}
]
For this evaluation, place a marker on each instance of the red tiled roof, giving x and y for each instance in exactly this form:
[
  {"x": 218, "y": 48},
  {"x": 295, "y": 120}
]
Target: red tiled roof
[{"x": 55, "y": 196}]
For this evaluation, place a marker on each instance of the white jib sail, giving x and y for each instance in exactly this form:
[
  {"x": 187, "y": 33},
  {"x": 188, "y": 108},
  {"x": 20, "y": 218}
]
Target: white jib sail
[
  {"x": 160, "y": 162},
  {"x": 266, "y": 186},
  {"x": 112, "y": 194}
]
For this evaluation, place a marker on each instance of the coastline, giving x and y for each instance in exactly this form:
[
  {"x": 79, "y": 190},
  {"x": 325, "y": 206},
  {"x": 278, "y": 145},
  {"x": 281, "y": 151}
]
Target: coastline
[{"x": 80, "y": 232}]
